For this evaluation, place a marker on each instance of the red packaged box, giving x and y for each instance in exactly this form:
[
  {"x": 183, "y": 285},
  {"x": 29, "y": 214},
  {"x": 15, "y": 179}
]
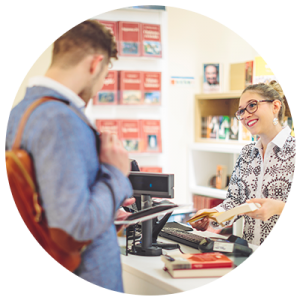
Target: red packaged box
[
  {"x": 152, "y": 88},
  {"x": 129, "y": 38},
  {"x": 151, "y": 135},
  {"x": 130, "y": 135},
  {"x": 109, "y": 92},
  {"x": 130, "y": 86},
  {"x": 151, "y": 40}
]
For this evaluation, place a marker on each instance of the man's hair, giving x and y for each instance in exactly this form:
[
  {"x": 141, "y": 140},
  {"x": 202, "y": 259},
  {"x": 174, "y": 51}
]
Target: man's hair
[{"x": 86, "y": 38}]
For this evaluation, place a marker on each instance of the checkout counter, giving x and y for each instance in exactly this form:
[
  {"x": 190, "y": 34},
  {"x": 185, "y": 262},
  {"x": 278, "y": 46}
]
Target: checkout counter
[{"x": 144, "y": 275}]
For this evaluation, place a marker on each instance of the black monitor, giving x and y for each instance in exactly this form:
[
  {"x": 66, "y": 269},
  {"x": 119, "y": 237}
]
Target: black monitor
[{"x": 145, "y": 186}]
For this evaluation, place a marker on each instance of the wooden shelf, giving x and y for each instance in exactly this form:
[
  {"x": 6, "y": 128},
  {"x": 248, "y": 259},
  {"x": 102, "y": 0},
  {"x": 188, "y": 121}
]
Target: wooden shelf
[
  {"x": 220, "y": 104},
  {"x": 229, "y": 95}
]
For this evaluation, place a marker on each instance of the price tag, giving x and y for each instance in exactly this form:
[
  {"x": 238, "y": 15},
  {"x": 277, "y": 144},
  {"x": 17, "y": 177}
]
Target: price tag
[{"x": 223, "y": 247}]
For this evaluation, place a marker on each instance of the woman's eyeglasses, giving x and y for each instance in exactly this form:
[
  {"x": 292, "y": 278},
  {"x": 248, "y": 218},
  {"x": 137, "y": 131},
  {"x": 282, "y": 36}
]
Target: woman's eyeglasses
[{"x": 251, "y": 108}]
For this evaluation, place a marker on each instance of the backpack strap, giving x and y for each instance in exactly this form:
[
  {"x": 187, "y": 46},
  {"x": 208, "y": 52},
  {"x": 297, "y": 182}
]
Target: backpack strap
[{"x": 18, "y": 138}]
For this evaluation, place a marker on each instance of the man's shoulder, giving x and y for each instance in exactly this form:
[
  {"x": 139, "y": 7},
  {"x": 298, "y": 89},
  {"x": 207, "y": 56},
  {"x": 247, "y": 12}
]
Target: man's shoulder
[
  {"x": 45, "y": 111},
  {"x": 50, "y": 114}
]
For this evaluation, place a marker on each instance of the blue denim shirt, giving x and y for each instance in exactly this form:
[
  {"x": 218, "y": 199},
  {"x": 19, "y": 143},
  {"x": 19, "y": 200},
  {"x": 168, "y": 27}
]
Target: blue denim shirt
[{"x": 73, "y": 183}]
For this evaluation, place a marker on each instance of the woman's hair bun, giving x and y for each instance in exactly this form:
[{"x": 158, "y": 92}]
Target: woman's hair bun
[{"x": 276, "y": 86}]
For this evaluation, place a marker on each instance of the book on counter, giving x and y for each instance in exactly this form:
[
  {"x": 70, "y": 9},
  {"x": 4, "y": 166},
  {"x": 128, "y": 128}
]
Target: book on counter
[
  {"x": 191, "y": 265},
  {"x": 221, "y": 217}
]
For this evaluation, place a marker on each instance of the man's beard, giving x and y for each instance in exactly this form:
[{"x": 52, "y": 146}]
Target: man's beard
[{"x": 87, "y": 93}]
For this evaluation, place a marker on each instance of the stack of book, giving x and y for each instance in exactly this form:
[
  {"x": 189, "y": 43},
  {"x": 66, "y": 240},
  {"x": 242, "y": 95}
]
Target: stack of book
[{"x": 193, "y": 265}]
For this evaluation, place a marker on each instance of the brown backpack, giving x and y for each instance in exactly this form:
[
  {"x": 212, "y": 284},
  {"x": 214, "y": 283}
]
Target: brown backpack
[{"x": 20, "y": 171}]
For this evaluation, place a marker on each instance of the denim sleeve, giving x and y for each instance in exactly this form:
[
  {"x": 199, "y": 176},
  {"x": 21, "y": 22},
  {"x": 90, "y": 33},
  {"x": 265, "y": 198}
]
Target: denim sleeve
[{"x": 79, "y": 194}]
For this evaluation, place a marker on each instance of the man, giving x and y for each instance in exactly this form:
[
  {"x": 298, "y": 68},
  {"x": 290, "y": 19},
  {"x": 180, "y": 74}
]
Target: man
[
  {"x": 211, "y": 74},
  {"x": 211, "y": 82},
  {"x": 79, "y": 194}
]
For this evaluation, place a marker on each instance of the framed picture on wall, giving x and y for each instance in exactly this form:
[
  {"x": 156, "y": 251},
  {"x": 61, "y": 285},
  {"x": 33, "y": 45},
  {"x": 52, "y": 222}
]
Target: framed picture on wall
[{"x": 211, "y": 78}]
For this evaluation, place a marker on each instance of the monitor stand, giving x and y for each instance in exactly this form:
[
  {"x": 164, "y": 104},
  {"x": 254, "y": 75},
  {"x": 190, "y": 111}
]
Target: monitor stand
[{"x": 148, "y": 245}]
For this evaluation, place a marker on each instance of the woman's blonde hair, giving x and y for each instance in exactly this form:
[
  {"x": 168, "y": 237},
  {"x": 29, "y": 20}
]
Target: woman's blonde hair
[{"x": 270, "y": 91}]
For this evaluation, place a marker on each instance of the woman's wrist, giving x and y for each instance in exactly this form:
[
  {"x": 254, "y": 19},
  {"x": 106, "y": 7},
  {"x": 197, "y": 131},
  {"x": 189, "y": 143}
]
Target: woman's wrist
[{"x": 281, "y": 206}]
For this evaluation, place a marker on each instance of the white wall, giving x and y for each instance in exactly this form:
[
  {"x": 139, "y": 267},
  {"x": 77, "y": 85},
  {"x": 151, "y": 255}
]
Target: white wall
[
  {"x": 38, "y": 68},
  {"x": 192, "y": 40}
]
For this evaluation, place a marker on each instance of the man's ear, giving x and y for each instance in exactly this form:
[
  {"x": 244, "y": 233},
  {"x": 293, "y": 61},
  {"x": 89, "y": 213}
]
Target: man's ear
[{"x": 96, "y": 60}]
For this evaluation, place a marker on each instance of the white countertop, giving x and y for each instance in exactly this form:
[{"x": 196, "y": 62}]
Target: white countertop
[{"x": 150, "y": 269}]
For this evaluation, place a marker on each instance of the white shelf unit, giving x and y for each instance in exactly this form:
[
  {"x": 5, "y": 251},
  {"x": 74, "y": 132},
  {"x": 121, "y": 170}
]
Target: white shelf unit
[
  {"x": 203, "y": 161},
  {"x": 140, "y": 64}
]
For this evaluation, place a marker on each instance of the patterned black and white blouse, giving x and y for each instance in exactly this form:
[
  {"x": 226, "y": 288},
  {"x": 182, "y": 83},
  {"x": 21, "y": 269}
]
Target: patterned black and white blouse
[{"x": 254, "y": 177}]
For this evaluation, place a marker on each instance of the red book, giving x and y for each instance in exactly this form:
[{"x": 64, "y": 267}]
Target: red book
[
  {"x": 151, "y": 135},
  {"x": 152, "y": 88},
  {"x": 108, "y": 125},
  {"x": 151, "y": 169},
  {"x": 130, "y": 85},
  {"x": 197, "y": 261},
  {"x": 113, "y": 26},
  {"x": 212, "y": 264},
  {"x": 109, "y": 92},
  {"x": 151, "y": 40},
  {"x": 130, "y": 135},
  {"x": 129, "y": 38}
]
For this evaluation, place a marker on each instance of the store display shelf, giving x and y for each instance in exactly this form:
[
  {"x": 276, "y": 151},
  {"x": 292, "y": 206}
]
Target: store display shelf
[{"x": 208, "y": 191}]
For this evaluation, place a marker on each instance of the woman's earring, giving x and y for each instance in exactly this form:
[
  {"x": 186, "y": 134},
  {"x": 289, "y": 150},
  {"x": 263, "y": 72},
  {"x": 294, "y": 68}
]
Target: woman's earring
[{"x": 275, "y": 121}]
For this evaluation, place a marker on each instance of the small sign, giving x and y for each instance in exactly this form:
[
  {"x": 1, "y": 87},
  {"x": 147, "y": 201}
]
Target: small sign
[
  {"x": 178, "y": 81},
  {"x": 223, "y": 246}
]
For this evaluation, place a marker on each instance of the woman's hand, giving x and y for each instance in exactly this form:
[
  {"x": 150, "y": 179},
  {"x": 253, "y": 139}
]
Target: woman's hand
[
  {"x": 269, "y": 208},
  {"x": 202, "y": 224}
]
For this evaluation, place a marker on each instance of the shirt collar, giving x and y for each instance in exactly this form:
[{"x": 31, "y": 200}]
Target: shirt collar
[
  {"x": 58, "y": 87},
  {"x": 279, "y": 139}
]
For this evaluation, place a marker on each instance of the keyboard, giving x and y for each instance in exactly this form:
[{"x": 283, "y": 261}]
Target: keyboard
[{"x": 184, "y": 237}]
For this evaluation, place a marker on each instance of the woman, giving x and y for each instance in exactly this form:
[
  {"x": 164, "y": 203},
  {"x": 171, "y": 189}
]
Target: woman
[{"x": 264, "y": 170}]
